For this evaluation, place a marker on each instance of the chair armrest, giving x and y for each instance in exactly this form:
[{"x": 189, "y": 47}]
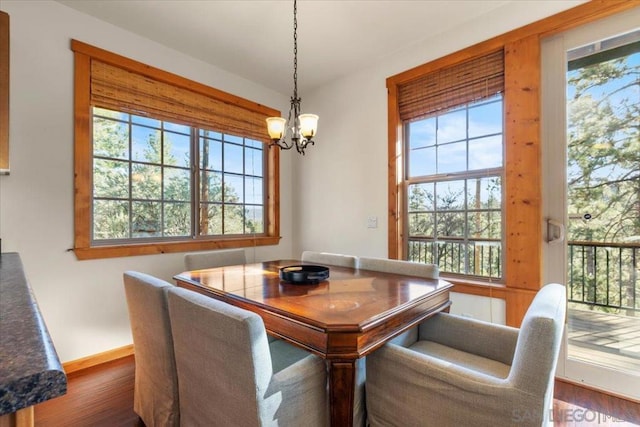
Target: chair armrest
[
  {"x": 404, "y": 386},
  {"x": 496, "y": 342},
  {"x": 418, "y": 368}
]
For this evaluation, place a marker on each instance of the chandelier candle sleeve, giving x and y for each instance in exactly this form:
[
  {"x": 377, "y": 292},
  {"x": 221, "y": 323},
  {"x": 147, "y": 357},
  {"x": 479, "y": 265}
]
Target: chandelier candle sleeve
[
  {"x": 308, "y": 125},
  {"x": 275, "y": 127}
]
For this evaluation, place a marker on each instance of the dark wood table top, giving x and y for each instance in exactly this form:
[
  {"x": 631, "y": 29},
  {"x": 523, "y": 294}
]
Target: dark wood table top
[{"x": 351, "y": 302}]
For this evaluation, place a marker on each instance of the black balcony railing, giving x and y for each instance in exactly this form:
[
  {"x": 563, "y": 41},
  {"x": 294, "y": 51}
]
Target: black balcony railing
[
  {"x": 604, "y": 275},
  {"x": 471, "y": 257}
]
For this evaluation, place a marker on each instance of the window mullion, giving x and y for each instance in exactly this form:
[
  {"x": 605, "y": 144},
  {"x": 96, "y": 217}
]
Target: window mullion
[{"x": 195, "y": 182}]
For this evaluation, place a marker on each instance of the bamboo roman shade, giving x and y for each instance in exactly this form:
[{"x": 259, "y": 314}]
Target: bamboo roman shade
[
  {"x": 122, "y": 84},
  {"x": 452, "y": 86}
]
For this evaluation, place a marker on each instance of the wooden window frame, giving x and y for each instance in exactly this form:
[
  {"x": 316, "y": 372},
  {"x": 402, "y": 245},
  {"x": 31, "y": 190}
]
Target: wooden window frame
[
  {"x": 83, "y": 160},
  {"x": 4, "y": 93},
  {"x": 522, "y": 159}
]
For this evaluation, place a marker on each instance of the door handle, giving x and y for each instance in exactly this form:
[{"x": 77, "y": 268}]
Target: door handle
[{"x": 552, "y": 226}]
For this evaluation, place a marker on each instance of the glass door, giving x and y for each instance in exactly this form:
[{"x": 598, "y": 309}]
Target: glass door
[{"x": 591, "y": 158}]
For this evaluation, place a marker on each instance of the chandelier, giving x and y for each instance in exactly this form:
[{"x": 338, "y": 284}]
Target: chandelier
[{"x": 303, "y": 126}]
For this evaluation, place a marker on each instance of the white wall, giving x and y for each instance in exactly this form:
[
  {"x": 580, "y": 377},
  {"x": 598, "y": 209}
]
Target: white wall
[
  {"x": 83, "y": 301},
  {"x": 343, "y": 179},
  {"x": 336, "y": 186}
]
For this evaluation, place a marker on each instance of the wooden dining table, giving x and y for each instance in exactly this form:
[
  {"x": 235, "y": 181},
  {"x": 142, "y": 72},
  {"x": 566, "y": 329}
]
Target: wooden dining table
[{"x": 340, "y": 319}]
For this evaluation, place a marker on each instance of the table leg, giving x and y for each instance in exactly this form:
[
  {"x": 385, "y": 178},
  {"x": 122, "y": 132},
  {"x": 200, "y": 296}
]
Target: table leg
[
  {"x": 25, "y": 417},
  {"x": 341, "y": 391}
]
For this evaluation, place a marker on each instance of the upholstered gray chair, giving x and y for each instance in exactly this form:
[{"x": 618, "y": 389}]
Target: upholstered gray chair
[
  {"x": 428, "y": 271},
  {"x": 230, "y": 375},
  {"x": 155, "y": 397},
  {"x": 329, "y": 258},
  {"x": 464, "y": 372},
  {"x": 211, "y": 259}
]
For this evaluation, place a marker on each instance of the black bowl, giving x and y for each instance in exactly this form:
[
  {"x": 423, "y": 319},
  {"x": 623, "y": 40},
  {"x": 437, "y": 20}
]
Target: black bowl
[{"x": 304, "y": 274}]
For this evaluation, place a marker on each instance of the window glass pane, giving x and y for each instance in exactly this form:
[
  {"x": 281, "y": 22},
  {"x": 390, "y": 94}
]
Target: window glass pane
[
  {"x": 233, "y": 188},
  {"x": 494, "y": 228},
  {"x": 485, "y": 119},
  {"x": 110, "y": 138},
  {"x": 233, "y": 138},
  {"x": 253, "y": 191},
  {"x": 421, "y": 197},
  {"x": 452, "y": 256},
  {"x": 254, "y": 219},
  {"x": 484, "y": 193},
  {"x": 110, "y": 178},
  {"x": 253, "y": 162},
  {"x": 146, "y": 219},
  {"x": 110, "y": 219},
  {"x": 233, "y": 161},
  {"x": 450, "y": 195},
  {"x": 210, "y": 219},
  {"x": 450, "y": 224},
  {"x": 421, "y": 251},
  {"x": 422, "y": 162},
  {"x": 452, "y": 126},
  {"x": 253, "y": 143},
  {"x": 422, "y": 133},
  {"x": 479, "y": 224},
  {"x": 485, "y": 153},
  {"x": 210, "y": 134},
  {"x": 212, "y": 181},
  {"x": 452, "y": 157},
  {"x": 174, "y": 127},
  {"x": 485, "y": 259},
  {"x": 177, "y": 219},
  {"x": 421, "y": 224},
  {"x": 145, "y": 144},
  {"x": 233, "y": 219},
  {"x": 210, "y": 154},
  {"x": 177, "y": 149},
  {"x": 177, "y": 184},
  {"x": 146, "y": 121},
  {"x": 103, "y": 112},
  {"x": 146, "y": 181}
]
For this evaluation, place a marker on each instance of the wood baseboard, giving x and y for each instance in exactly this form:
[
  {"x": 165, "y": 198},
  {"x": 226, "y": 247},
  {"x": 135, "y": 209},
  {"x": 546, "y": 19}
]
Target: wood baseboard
[
  {"x": 597, "y": 390},
  {"x": 97, "y": 359}
]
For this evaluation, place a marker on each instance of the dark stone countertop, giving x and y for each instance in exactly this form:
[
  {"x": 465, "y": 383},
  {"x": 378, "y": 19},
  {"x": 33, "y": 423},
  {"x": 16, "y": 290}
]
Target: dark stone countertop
[{"x": 30, "y": 371}]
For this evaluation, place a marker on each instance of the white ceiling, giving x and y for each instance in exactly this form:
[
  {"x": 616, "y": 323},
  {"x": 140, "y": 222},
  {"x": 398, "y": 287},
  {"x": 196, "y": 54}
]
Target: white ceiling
[{"x": 254, "y": 38}]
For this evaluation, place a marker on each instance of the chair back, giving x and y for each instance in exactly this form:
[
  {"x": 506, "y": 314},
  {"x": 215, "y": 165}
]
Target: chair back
[
  {"x": 223, "y": 361},
  {"x": 156, "y": 387},
  {"x": 409, "y": 268},
  {"x": 538, "y": 346},
  {"x": 212, "y": 259},
  {"x": 329, "y": 258}
]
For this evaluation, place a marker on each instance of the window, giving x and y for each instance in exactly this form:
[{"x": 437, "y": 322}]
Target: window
[
  {"x": 164, "y": 164},
  {"x": 454, "y": 189},
  {"x": 452, "y": 133}
]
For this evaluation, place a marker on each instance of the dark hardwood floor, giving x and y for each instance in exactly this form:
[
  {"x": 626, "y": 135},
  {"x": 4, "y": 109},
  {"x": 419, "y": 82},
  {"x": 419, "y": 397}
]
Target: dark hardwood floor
[{"x": 103, "y": 396}]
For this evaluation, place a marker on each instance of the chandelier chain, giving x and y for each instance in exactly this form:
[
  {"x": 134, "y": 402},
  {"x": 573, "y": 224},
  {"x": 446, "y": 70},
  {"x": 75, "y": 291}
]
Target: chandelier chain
[{"x": 295, "y": 49}]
